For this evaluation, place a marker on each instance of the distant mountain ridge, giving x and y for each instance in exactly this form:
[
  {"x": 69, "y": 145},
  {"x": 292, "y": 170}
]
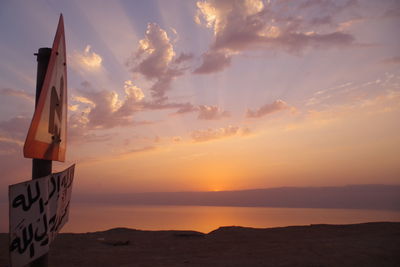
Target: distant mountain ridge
[{"x": 381, "y": 197}]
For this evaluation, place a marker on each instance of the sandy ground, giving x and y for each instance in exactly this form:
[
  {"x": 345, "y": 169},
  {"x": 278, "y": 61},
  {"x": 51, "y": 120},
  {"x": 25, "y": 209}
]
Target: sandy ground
[{"x": 370, "y": 244}]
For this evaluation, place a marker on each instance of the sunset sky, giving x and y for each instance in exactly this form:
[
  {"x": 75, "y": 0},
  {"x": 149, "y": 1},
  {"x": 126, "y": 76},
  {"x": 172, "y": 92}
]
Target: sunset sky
[{"x": 210, "y": 95}]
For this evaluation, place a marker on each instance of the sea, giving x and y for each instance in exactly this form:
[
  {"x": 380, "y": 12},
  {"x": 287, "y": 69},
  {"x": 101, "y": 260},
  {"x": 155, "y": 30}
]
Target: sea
[
  {"x": 92, "y": 217},
  {"x": 95, "y": 217}
]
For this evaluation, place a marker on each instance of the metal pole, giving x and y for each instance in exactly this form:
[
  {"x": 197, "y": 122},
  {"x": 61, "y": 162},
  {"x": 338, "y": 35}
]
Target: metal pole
[{"x": 41, "y": 167}]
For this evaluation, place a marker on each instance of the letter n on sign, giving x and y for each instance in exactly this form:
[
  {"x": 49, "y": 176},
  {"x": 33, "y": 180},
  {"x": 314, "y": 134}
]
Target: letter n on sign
[{"x": 47, "y": 134}]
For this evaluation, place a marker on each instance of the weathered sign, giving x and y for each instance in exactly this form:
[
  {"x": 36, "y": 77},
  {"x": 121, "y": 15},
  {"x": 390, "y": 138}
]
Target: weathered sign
[
  {"x": 38, "y": 210},
  {"x": 46, "y": 137}
]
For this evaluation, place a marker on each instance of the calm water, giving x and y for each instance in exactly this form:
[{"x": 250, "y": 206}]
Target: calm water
[{"x": 88, "y": 218}]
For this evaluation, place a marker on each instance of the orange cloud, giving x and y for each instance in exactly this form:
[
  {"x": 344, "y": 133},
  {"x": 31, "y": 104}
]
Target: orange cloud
[
  {"x": 88, "y": 59},
  {"x": 104, "y": 109}
]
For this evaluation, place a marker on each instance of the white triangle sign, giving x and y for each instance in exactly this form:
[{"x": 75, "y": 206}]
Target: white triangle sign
[{"x": 47, "y": 134}]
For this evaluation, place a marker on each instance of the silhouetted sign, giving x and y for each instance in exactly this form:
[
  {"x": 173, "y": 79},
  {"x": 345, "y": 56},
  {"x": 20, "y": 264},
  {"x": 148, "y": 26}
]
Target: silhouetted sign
[
  {"x": 38, "y": 210},
  {"x": 46, "y": 137}
]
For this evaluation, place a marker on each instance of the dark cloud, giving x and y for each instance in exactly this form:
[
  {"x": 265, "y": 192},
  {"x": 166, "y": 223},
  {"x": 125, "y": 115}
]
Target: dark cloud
[
  {"x": 12, "y": 135},
  {"x": 392, "y": 60},
  {"x": 393, "y": 12},
  {"x": 204, "y": 112},
  {"x": 211, "y": 113},
  {"x": 297, "y": 41},
  {"x": 276, "y": 106},
  {"x": 78, "y": 135},
  {"x": 183, "y": 57},
  {"x": 17, "y": 93},
  {"x": 108, "y": 109},
  {"x": 213, "y": 134},
  {"x": 186, "y": 108},
  {"x": 176, "y": 139},
  {"x": 139, "y": 150},
  {"x": 8, "y": 147},
  {"x": 155, "y": 60},
  {"x": 321, "y": 20},
  {"x": 105, "y": 109},
  {"x": 182, "y": 108},
  {"x": 213, "y": 61},
  {"x": 332, "y": 6},
  {"x": 15, "y": 128},
  {"x": 280, "y": 25}
]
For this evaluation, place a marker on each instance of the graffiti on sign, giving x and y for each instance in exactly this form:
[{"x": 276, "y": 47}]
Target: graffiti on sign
[{"x": 38, "y": 210}]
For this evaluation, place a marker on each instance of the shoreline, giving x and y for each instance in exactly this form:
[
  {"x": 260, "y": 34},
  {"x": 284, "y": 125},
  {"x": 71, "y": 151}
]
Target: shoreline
[{"x": 365, "y": 244}]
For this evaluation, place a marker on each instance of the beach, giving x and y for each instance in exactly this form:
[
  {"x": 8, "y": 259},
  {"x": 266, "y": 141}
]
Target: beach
[{"x": 367, "y": 244}]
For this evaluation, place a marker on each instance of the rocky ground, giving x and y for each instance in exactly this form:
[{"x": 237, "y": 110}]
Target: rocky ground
[{"x": 369, "y": 244}]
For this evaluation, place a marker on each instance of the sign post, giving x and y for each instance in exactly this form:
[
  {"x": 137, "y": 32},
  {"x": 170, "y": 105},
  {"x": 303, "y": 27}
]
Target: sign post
[
  {"x": 34, "y": 225},
  {"x": 41, "y": 167},
  {"x": 51, "y": 65}
]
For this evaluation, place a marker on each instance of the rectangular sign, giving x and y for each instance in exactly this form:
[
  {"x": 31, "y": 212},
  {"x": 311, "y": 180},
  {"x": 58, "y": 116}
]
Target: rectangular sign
[{"x": 38, "y": 210}]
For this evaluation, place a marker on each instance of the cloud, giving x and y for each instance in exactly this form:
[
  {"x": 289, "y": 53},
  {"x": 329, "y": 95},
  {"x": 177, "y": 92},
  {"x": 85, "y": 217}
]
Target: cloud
[
  {"x": 275, "y": 106},
  {"x": 186, "y": 108},
  {"x": 354, "y": 92},
  {"x": 182, "y": 108},
  {"x": 183, "y": 57},
  {"x": 138, "y": 150},
  {"x": 213, "y": 61},
  {"x": 330, "y": 5},
  {"x": 211, "y": 113},
  {"x": 106, "y": 109},
  {"x": 9, "y": 146},
  {"x": 133, "y": 96},
  {"x": 322, "y": 20},
  {"x": 102, "y": 113},
  {"x": 81, "y": 136},
  {"x": 243, "y": 25},
  {"x": 132, "y": 90},
  {"x": 18, "y": 93},
  {"x": 204, "y": 112},
  {"x": 391, "y": 60},
  {"x": 96, "y": 110},
  {"x": 6, "y": 140},
  {"x": 345, "y": 25},
  {"x": 88, "y": 59},
  {"x": 12, "y": 135},
  {"x": 15, "y": 128},
  {"x": 213, "y": 134},
  {"x": 176, "y": 139},
  {"x": 388, "y": 100},
  {"x": 154, "y": 59},
  {"x": 392, "y": 12}
]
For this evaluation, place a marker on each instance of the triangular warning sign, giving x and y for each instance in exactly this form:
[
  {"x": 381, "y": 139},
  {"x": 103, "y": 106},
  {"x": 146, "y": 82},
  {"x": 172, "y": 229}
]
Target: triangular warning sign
[{"x": 47, "y": 134}]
